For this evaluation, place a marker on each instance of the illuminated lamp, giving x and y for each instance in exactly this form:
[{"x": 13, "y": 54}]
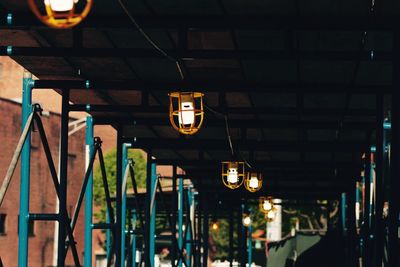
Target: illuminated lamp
[
  {"x": 270, "y": 215},
  {"x": 266, "y": 204},
  {"x": 246, "y": 220},
  {"x": 186, "y": 111},
  {"x": 215, "y": 225},
  {"x": 61, "y": 14},
  {"x": 253, "y": 181},
  {"x": 232, "y": 173}
]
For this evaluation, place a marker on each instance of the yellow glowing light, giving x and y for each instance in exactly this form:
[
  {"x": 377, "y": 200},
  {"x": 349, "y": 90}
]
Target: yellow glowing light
[
  {"x": 232, "y": 173},
  {"x": 253, "y": 181},
  {"x": 61, "y": 14},
  {"x": 186, "y": 111}
]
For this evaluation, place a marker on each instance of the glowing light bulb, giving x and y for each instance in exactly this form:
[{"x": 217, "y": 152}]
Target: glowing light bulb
[
  {"x": 61, "y": 5},
  {"x": 253, "y": 182},
  {"x": 271, "y": 214},
  {"x": 233, "y": 176},
  {"x": 246, "y": 221},
  {"x": 267, "y": 205},
  {"x": 214, "y": 226},
  {"x": 186, "y": 114}
]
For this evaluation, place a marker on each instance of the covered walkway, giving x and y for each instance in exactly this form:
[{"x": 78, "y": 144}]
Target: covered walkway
[{"x": 303, "y": 92}]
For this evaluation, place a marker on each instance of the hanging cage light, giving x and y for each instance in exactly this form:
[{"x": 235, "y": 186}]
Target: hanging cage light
[
  {"x": 186, "y": 111},
  {"x": 270, "y": 215},
  {"x": 232, "y": 173},
  {"x": 61, "y": 14},
  {"x": 253, "y": 181},
  {"x": 215, "y": 225},
  {"x": 246, "y": 220},
  {"x": 266, "y": 204}
]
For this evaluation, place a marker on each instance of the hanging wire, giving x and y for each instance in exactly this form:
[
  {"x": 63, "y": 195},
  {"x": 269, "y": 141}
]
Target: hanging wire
[
  {"x": 219, "y": 114},
  {"x": 226, "y": 126},
  {"x": 150, "y": 41},
  {"x": 181, "y": 74}
]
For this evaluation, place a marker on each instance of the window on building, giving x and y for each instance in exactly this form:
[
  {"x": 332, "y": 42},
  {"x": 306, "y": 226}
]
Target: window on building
[
  {"x": 3, "y": 223},
  {"x": 31, "y": 227}
]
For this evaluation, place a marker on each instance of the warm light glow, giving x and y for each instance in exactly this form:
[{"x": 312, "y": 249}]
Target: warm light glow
[
  {"x": 246, "y": 220},
  {"x": 214, "y": 226},
  {"x": 61, "y": 5},
  {"x": 186, "y": 114},
  {"x": 266, "y": 204},
  {"x": 186, "y": 111},
  {"x": 61, "y": 14},
  {"x": 270, "y": 215},
  {"x": 232, "y": 174},
  {"x": 253, "y": 181}
]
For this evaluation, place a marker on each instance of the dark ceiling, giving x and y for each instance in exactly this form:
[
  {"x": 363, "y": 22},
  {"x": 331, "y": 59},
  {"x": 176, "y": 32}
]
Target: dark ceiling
[{"x": 298, "y": 80}]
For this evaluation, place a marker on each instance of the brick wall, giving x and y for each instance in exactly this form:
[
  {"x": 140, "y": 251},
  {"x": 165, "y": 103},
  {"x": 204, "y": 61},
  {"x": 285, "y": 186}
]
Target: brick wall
[{"x": 42, "y": 193}]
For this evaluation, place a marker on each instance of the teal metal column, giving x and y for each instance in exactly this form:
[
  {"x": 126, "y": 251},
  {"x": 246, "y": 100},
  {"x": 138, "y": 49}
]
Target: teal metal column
[
  {"x": 152, "y": 229},
  {"x": 133, "y": 221},
  {"x": 250, "y": 242},
  {"x": 189, "y": 230},
  {"x": 108, "y": 235},
  {"x": 25, "y": 174},
  {"x": 123, "y": 216},
  {"x": 88, "y": 195},
  {"x": 180, "y": 217},
  {"x": 343, "y": 213}
]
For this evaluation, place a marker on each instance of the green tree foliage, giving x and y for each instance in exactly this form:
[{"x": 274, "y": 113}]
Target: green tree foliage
[{"x": 110, "y": 166}]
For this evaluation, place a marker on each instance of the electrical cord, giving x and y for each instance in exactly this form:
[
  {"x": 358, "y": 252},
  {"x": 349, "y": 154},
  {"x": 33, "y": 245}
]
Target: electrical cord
[
  {"x": 181, "y": 74},
  {"x": 150, "y": 41}
]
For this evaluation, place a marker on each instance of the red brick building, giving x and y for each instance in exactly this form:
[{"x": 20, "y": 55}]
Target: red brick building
[{"x": 42, "y": 193}]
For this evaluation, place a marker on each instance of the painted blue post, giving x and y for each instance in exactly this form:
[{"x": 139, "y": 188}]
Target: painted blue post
[
  {"x": 134, "y": 218},
  {"x": 372, "y": 190},
  {"x": 180, "y": 217},
  {"x": 152, "y": 229},
  {"x": 25, "y": 174},
  {"x": 123, "y": 216},
  {"x": 250, "y": 242},
  {"x": 358, "y": 204},
  {"x": 189, "y": 230},
  {"x": 88, "y": 195},
  {"x": 108, "y": 235},
  {"x": 343, "y": 207}
]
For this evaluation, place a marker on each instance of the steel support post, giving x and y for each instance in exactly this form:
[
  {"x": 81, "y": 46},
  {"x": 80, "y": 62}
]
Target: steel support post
[
  {"x": 205, "y": 232},
  {"x": 231, "y": 238},
  {"x": 199, "y": 233},
  {"x": 250, "y": 243},
  {"x": 393, "y": 247},
  {"x": 133, "y": 248},
  {"x": 88, "y": 194},
  {"x": 343, "y": 214},
  {"x": 123, "y": 212},
  {"x": 152, "y": 228},
  {"x": 379, "y": 183},
  {"x": 108, "y": 235},
  {"x": 118, "y": 190},
  {"x": 174, "y": 208},
  {"x": 180, "y": 218},
  {"x": 351, "y": 225},
  {"x": 147, "y": 211},
  {"x": 27, "y": 83},
  {"x": 366, "y": 212},
  {"x": 189, "y": 219},
  {"x": 242, "y": 238},
  {"x": 63, "y": 180}
]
